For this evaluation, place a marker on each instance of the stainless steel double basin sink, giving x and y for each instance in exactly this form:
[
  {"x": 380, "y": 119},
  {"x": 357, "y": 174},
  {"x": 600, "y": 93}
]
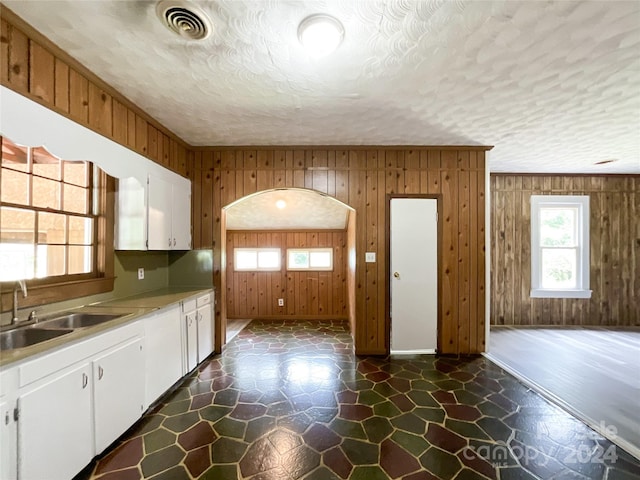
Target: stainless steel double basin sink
[{"x": 50, "y": 328}]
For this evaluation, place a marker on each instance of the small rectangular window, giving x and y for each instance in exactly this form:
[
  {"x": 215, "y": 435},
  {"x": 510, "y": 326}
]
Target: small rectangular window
[
  {"x": 560, "y": 246},
  {"x": 256, "y": 259},
  {"x": 314, "y": 259}
]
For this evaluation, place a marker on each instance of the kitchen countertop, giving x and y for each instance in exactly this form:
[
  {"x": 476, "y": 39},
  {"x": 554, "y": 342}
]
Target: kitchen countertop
[
  {"x": 155, "y": 298},
  {"x": 131, "y": 309}
]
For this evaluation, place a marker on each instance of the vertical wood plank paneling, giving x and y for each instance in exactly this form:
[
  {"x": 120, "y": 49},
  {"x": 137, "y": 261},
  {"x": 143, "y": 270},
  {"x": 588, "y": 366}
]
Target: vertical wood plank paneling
[
  {"x": 206, "y": 209},
  {"x": 100, "y": 110},
  {"x": 4, "y": 50},
  {"x": 371, "y": 240},
  {"x": 480, "y": 256},
  {"x": 361, "y": 178},
  {"x": 250, "y": 177},
  {"x": 131, "y": 130},
  {"x": 381, "y": 248},
  {"x": 412, "y": 164},
  {"x": 464, "y": 253},
  {"x": 279, "y": 168},
  {"x": 197, "y": 185},
  {"x": 166, "y": 153},
  {"x": 320, "y": 178},
  {"x": 142, "y": 135},
  {"x": 42, "y": 73},
  {"x": 152, "y": 142},
  {"x": 18, "y": 60},
  {"x": 61, "y": 86},
  {"x": 613, "y": 252},
  {"x": 264, "y": 173},
  {"x": 215, "y": 212},
  {"x": 119, "y": 122},
  {"x": 449, "y": 186},
  {"x": 342, "y": 176},
  {"x": 78, "y": 97}
]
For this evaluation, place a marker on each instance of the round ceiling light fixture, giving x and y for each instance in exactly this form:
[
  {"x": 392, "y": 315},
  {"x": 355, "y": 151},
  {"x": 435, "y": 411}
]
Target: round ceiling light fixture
[
  {"x": 281, "y": 204},
  {"x": 320, "y": 34}
]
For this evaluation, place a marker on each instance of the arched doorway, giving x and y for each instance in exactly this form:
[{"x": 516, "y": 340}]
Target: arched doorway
[{"x": 291, "y": 227}]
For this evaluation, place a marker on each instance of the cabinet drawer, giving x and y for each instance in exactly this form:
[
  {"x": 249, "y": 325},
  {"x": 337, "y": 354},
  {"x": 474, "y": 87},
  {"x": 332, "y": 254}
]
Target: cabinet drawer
[
  {"x": 189, "y": 305},
  {"x": 203, "y": 299},
  {"x": 68, "y": 355}
]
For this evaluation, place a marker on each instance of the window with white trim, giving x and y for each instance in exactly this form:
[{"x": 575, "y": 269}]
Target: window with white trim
[
  {"x": 312, "y": 259},
  {"x": 560, "y": 246},
  {"x": 256, "y": 259}
]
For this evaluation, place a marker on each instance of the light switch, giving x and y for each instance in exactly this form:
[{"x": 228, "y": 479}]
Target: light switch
[{"x": 370, "y": 257}]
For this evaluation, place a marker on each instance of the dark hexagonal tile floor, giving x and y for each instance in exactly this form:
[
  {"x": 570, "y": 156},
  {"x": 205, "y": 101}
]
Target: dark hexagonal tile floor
[{"x": 289, "y": 400}]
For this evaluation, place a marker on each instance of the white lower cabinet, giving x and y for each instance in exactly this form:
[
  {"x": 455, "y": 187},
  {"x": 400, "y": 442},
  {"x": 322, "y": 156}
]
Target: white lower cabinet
[
  {"x": 55, "y": 426},
  {"x": 191, "y": 341},
  {"x": 8, "y": 423},
  {"x": 118, "y": 391},
  {"x": 204, "y": 315},
  {"x": 163, "y": 356},
  {"x": 60, "y": 409},
  {"x": 197, "y": 334},
  {"x": 8, "y": 435}
]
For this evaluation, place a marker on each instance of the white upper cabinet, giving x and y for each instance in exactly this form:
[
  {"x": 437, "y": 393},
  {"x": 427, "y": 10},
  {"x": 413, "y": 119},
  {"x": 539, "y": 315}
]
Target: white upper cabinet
[
  {"x": 155, "y": 215},
  {"x": 181, "y": 217},
  {"x": 160, "y": 195}
]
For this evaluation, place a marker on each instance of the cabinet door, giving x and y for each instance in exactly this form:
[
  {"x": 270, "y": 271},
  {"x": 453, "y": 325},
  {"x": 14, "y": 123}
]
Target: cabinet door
[
  {"x": 131, "y": 215},
  {"x": 205, "y": 329},
  {"x": 118, "y": 391},
  {"x": 181, "y": 217},
  {"x": 191, "y": 327},
  {"x": 8, "y": 440},
  {"x": 163, "y": 353},
  {"x": 159, "y": 200},
  {"x": 55, "y": 426}
]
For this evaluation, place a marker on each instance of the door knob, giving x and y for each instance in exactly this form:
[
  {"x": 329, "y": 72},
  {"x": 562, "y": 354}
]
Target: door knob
[{"x": 396, "y": 274}]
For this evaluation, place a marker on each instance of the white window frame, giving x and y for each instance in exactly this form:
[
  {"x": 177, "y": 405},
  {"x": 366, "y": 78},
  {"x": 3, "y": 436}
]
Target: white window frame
[
  {"x": 309, "y": 251},
  {"x": 581, "y": 203},
  {"x": 257, "y": 252}
]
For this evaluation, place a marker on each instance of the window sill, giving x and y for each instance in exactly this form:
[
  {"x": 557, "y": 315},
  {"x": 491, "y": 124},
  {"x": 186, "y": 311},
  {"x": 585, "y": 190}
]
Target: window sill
[{"x": 540, "y": 293}]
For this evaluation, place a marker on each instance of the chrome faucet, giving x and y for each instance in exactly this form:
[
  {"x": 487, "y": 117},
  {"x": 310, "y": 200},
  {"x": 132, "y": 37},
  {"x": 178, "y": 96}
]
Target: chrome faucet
[{"x": 23, "y": 286}]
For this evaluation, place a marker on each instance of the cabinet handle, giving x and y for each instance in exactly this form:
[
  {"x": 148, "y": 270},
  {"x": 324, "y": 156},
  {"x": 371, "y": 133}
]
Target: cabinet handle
[
  {"x": 85, "y": 380},
  {"x": 174, "y": 242},
  {"x": 169, "y": 242},
  {"x": 100, "y": 373},
  {"x": 6, "y": 418}
]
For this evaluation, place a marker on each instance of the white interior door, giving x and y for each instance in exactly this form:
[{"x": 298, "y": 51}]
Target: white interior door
[{"x": 414, "y": 275}]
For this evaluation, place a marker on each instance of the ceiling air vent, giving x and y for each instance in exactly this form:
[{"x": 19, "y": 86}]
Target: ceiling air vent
[{"x": 184, "y": 18}]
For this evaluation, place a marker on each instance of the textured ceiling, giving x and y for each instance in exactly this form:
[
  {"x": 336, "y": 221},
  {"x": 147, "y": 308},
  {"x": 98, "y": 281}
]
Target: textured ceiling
[
  {"x": 304, "y": 210},
  {"x": 554, "y": 85}
]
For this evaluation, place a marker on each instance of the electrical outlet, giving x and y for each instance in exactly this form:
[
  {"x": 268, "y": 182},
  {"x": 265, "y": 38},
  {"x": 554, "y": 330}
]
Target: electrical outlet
[
  {"x": 281, "y": 302},
  {"x": 141, "y": 274}
]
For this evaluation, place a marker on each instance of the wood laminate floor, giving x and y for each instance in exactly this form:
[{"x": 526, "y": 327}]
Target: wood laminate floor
[{"x": 594, "y": 373}]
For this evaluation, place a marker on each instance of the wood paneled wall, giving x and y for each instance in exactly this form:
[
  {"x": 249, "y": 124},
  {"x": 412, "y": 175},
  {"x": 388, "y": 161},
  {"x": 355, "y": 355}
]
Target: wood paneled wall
[
  {"x": 361, "y": 177},
  {"x": 306, "y": 294},
  {"x": 614, "y": 255},
  {"x": 34, "y": 67}
]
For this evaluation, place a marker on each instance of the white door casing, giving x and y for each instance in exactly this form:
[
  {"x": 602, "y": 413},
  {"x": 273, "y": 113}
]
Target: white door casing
[{"x": 414, "y": 275}]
